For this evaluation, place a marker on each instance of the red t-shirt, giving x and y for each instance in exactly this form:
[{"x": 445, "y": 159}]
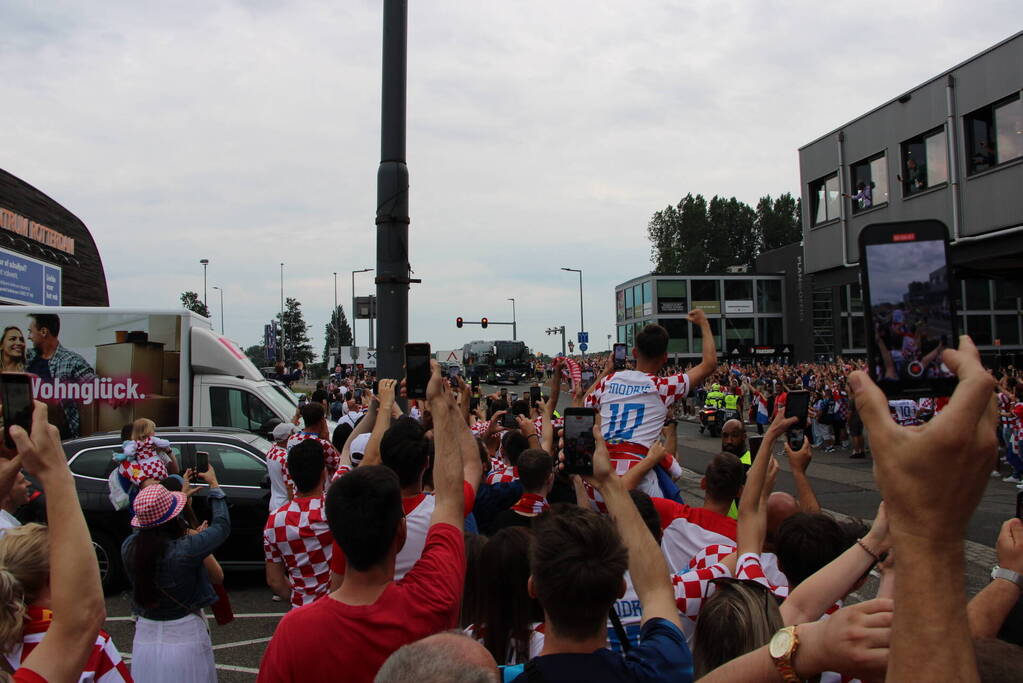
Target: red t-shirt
[{"x": 329, "y": 640}]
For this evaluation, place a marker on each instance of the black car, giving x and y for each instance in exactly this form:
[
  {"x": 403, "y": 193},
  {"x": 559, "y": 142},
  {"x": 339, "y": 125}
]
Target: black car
[{"x": 237, "y": 456}]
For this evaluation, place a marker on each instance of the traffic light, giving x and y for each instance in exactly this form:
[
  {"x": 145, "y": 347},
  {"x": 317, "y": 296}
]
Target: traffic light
[
  {"x": 458, "y": 322},
  {"x": 483, "y": 323}
]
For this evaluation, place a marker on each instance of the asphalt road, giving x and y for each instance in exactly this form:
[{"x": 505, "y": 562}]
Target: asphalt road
[{"x": 843, "y": 486}]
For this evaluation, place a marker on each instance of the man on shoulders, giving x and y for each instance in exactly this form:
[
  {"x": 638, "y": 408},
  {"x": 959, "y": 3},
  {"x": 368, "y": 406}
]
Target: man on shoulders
[
  {"x": 536, "y": 472},
  {"x": 353, "y": 630},
  {"x": 315, "y": 427},
  {"x": 633, "y": 404}
]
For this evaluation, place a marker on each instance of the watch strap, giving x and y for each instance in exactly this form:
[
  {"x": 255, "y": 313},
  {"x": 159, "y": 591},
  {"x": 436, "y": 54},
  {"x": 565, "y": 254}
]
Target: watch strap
[
  {"x": 1008, "y": 575},
  {"x": 783, "y": 663}
]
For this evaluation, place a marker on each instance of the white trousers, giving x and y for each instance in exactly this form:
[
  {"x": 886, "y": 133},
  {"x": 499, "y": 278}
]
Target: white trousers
[{"x": 172, "y": 651}]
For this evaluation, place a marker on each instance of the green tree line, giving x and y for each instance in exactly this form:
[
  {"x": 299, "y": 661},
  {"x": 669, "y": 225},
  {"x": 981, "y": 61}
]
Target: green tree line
[{"x": 700, "y": 236}]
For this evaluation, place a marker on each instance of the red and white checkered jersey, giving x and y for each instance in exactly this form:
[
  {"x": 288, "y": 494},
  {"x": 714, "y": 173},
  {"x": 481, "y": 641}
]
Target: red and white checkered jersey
[
  {"x": 904, "y": 411},
  {"x": 1005, "y": 406},
  {"x": 633, "y": 405},
  {"x": 688, "y": 530},
  {"x": 280, "y": 480},
  {"x": 503, "y": 475},
  {"x": 297, "y": 535},
  {"x": 104, "y": 664},
  {"x": 691, "y": 589},
  {"x": 330, "y": 453},
  {"x": 714, "y": 554},
  {"x": 138, "y": 471},
  {"x": 750, "y": 567}
]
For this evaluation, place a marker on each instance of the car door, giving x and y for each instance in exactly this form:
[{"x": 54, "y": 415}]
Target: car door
[{"x": 243, "y": 478}]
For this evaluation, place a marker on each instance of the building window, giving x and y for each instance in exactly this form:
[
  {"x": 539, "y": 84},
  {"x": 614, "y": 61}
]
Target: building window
[
  {"x": 628, "y": 303},
  {"x": 705, "y": 295},
  {"x": 622, "y": 336},
  {"x": 994, "y": 134},
  {"x": 859, "y": 332},
  {"x": 648, "y": 298},
  {"x": 738, "y": 290},
  {"x": 769, "y": 296},
  {"x": 671, "y": 296},
  {"x": 738, "y": 332},
  {"x": 979, "y": 329},
  {"x": 678, "y": 334},
  {"x": 769, "y": 331},
  {"x": 1005, "y": 296},
  {"x": 924, "y": 162},
  {"x": 715, "y": 328},
  {"x": 869, "y": 183},
  {"x": 978, "y": 295},
  {"x": 1007, "y": 329},
  {"x": 620, "y": 305},
  {"x": 855, "y": 299},
  {"x": 826, "y": 199}
]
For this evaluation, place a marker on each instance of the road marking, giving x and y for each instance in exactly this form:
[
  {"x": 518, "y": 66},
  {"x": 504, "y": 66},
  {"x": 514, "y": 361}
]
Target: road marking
[
  {"x": 242, "y": 643},
  {"x": 240, "y": 669}
]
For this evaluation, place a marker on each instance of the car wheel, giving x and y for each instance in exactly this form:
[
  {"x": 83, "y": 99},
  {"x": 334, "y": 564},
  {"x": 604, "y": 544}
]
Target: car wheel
[{"x": 108, "y": 556}]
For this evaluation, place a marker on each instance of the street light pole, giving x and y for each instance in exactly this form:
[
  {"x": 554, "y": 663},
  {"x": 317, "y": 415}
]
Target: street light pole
[
  {"x": 515, "y": 329},
  {"x": 282, "y": 311},
  {"x": 337, "y": 323},
  {"x": 205, "y": 262},
  {"x": 354, "y": 314},
  {"x": 221, "y": 308},
  {"x": 582, "y": 324}
]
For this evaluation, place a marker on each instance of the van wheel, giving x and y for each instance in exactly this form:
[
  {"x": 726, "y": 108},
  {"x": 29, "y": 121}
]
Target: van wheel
[{"x": 108, "y": 556}]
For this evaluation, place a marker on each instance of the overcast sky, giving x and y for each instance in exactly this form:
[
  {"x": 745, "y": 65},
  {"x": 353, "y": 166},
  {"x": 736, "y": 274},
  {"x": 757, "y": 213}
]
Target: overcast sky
[{"x": 540, "y": 134}]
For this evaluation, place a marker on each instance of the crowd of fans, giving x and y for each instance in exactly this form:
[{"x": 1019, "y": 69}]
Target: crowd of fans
[{"x": 448, "y": 544}]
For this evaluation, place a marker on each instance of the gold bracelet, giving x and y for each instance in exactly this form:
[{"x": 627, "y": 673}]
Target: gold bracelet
[{"x": 860, "y": 543}]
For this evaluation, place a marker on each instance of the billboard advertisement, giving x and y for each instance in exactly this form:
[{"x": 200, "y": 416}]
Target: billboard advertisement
[{"x": 96, "y": 371}]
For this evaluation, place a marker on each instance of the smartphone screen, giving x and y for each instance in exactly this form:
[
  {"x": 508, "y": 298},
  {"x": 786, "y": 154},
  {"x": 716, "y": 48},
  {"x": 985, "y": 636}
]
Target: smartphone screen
[
  {"x": 202, "y": 461},
  {"x": 908, "y": 299},
  {"x": 417, "y": 369},
  {"x": 754, "y": 444},
  {"x": 508, "y": 421},
  {"x": 620, "y": 356},
  {"x": 797, "y": 404},
  {"x": 534, "y": 395},
  {"x": 16, "y": 392},
  {"x": 579, "y": 442}
]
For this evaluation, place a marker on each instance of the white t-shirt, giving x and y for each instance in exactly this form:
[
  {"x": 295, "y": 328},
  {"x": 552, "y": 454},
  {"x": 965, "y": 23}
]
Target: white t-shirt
[{"x": 7, "y": 521}]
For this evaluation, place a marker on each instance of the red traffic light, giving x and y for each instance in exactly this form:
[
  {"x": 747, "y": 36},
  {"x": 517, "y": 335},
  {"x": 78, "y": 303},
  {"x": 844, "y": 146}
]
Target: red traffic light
[
  {"x": 458, "y": 322},
  {"x": 484, "y": 323}
]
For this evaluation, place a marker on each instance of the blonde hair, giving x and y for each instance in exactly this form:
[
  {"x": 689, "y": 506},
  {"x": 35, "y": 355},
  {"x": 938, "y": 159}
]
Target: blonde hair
[
  {"x": 142, "y": 428},
  {"x": 738, "y": 618},
  {"x": 24, "y": 573}
]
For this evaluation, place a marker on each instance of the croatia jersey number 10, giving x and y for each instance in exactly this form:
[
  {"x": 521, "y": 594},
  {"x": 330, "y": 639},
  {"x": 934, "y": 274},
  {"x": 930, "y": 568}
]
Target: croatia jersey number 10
[{"x": 625, "y": 417}]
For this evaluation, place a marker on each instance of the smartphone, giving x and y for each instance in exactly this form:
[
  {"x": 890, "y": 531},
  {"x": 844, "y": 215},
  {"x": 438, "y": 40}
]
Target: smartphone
[
  {"x": 417, "y": 369},
  {"x": 376, "y": 387},
  {"x": 579, "y": 442},
  {"x": 620, "y": 356},
  {"x": 754, "y": 445},
  {"x": 1019, "y": 505},
  {"x": 202, "y": 461},
  {"x": 474, "y": 403},
  {"x": 534, "y": 395},
  {"x": 453, "y": 372},
  {"x": 16, "y": 392},
  {"x": 909, "y": 304},
  {"x": 474, "y": 381},
  {"x": 797, "y": 405},
  {"x": 508, "y": 421}
]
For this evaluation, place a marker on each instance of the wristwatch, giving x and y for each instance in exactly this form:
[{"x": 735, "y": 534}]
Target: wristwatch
[
  {"x": 782, "y": 648},
  {"x": 1008, "y": 575}
]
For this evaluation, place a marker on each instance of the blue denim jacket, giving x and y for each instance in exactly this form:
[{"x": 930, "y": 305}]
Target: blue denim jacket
[{"x": 184, "y": 582}]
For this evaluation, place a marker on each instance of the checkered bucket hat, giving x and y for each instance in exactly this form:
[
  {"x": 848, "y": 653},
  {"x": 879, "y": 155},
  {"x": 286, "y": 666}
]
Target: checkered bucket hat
[{"x": 155, "y": 505}]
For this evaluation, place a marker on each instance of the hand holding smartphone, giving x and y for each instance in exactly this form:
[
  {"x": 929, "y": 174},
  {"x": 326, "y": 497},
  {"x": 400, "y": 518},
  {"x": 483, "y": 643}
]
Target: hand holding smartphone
[
  {"x": 16, "y": 393},
  {"x": 797, "y": 405},
  {"x": 579, "y": 442},
  {"x": 417, "y": 370},
  {"x": 620, "y": 356}
]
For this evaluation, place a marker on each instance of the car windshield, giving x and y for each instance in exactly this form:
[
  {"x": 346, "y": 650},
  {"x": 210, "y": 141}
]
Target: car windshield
[{"x": 277, "y": 400}]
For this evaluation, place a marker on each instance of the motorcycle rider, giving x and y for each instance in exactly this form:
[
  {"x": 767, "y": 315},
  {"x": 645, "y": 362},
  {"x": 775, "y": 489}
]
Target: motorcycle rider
[{"x": 715, "y": 397}]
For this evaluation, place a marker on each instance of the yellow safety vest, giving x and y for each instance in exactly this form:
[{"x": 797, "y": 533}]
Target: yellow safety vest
[{"x": 731, "y": 402}]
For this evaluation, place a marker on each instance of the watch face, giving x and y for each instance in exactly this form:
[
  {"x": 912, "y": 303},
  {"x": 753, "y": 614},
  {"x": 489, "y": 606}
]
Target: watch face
[{"x": 781, "y": 643}]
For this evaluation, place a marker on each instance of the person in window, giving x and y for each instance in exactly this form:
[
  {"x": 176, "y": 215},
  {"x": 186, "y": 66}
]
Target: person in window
[
  {"x": 916, "y": 176},
  {"x": 864, "y": 196}
]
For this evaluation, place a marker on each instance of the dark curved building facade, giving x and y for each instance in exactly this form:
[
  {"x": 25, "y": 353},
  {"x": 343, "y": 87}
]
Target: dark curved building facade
[{"x": 47, "y": 255}]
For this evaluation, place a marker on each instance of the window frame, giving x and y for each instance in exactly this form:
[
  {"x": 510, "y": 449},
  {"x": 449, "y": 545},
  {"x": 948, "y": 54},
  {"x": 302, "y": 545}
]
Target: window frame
[
  {"x": 868, "y": 161},
  {"x": 922, "y": 138},
  {"x": 814, "y": 187},
  {"x": 968, "y": 138}
]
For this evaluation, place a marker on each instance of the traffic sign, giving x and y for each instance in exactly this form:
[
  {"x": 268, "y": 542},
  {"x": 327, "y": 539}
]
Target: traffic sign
[
  {"x": 584, "y": 338},
  {"x": 583, "y": 346}
]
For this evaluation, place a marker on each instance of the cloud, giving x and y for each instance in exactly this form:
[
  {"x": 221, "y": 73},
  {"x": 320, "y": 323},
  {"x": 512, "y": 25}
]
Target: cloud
[{"x": 540, "y": 135}]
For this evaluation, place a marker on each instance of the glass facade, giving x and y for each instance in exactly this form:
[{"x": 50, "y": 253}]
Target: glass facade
[{"x": 743, "y": 310}]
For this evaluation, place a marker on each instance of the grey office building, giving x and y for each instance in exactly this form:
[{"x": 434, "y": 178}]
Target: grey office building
[{"x": 950, "y": 149}]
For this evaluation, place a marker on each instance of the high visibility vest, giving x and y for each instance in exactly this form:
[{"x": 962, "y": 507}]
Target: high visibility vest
[
  {"x": 714, "y": 399},
  {"x": 731, "y": 402}
]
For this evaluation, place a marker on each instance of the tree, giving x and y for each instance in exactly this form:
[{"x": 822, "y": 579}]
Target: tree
[
  {"x": 296, "y": 337},
  {"x": 257, "y": 354},
  {"x": 190, "y": 300},
  {"x": 337, "y": 327},
  {"x": 780, "y": 221}
]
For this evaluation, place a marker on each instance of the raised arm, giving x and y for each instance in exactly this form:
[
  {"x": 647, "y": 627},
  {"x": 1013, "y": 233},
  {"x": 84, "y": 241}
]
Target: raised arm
[
  {"x": 381, "y": 423},
  {"x": 811, "y": 598},
  {"x": 649, "y": 571},
  {"x": 447, "y": 461},
  {"x": 365, "y": 425},
  {"x": 948, "y": 459},
  {"x": 989, "y": 608},
  {"x": 800, "y": 461},
  {"x": 76, "y": 595},
  {"x": 752, "y": 526},
  {"x": 709, "y": 362}
]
